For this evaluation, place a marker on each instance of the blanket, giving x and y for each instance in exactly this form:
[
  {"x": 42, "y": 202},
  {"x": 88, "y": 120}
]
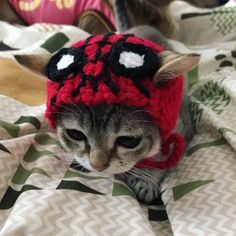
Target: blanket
[{"x": 41, "y": 194}]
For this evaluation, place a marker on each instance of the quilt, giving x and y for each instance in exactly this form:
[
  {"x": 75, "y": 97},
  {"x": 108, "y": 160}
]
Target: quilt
[{"x": 41, "y": 194}]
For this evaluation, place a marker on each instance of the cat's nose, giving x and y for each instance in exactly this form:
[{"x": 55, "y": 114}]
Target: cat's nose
[
  {"x": 99, "y": 159},
  {"x": 99, "y": 166}
]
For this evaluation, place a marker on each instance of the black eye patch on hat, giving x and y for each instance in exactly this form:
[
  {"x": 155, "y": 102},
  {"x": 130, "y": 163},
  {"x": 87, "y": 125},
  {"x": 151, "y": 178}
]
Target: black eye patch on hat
[
  {"x": 128, "y": 59},
  {"x": 64, "y": 63}
]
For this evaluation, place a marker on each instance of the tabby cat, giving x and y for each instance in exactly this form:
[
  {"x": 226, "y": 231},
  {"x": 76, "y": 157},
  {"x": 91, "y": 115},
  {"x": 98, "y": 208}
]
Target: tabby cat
[
  {"x": 153, "y": 12},
  {"x": 112, "y": 139}
]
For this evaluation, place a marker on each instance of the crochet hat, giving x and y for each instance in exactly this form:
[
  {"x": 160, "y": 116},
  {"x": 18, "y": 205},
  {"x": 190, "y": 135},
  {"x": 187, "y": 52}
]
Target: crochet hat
[{"x": 114, "y": 69}]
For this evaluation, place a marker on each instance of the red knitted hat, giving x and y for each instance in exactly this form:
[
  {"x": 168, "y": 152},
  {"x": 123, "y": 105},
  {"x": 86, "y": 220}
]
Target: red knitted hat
[{"x": 114, "y": 69}]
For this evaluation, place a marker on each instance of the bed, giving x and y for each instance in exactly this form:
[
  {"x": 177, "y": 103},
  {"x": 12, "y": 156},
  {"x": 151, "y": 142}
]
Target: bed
[{"x": 41, "y": 194}]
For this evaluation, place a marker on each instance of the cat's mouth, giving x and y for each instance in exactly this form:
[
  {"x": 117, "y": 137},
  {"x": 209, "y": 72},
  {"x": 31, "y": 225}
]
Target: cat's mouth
[{"x": 82, "y": 164}]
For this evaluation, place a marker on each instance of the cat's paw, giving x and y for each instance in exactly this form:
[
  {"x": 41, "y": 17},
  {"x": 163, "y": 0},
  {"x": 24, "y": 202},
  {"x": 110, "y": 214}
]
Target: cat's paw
[{"x": 146, "y": 192}]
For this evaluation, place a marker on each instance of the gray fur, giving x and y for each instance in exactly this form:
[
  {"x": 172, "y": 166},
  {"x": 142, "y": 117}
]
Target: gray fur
[
  {"x": 151, "y": 33},
  {"x": 207, "y": 3},
  {"x": 130, "y": 13},
  {"x": 121, "y": 15}
]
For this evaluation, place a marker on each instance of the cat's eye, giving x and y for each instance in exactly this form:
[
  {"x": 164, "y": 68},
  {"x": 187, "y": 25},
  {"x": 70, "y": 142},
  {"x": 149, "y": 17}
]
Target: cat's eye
[
  {"x": 76, "y": 134},
  {"x": 128, "y": 141}
]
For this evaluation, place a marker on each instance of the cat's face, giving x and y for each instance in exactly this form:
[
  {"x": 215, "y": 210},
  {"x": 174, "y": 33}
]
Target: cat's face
[{"x": 107, "y": 139}]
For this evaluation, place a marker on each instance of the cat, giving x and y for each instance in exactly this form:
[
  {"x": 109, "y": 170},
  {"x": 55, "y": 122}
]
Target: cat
[
  {"x": 111, "y": 139},
  {"x": 150, "y": 12},
  {"x": 154, "y": 13},
  {"x": 111, "y": 131}
]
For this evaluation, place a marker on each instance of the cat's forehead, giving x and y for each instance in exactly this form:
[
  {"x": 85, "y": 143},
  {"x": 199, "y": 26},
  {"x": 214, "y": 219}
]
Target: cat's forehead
[{"x": 105, "y": 117}]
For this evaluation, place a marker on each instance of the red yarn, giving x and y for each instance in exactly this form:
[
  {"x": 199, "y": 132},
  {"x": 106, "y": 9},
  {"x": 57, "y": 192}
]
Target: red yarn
[
  {"x": 163, "y": 104},
  {"x": 177, "y": 151}
]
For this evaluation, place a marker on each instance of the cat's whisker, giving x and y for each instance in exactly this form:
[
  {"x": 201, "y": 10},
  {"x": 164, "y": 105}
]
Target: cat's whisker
[
  {"x": 69, "y": 158},
  {"x": 70, "y": 111},
  {"x": 145, "y": 121},
  {"x": 56, "y": 154},
  {"x": 149, "y": 178},
  {"x": 65, "y": 155},
  {"x": 72, "y": 114},
  {"x": 54, "y": 90},
  {"x": 146, "y": 175},
  {"x": 64, "y": 160},
  {"x": 143, "y": 177},
  {"x": 69, "y": 100},
  {"x": 59, "y": 112},
  {"x": 123, "y": 102},
  {"x": 66, "y": 98},
  {"x": 145, "y": 172},
  {"x": 133, "y": 174}
]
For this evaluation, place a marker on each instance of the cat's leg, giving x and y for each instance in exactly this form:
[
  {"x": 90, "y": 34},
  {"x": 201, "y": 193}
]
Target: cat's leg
[
  {"x": 145, "y": 184},
  {"x": 8, "y": 14}
]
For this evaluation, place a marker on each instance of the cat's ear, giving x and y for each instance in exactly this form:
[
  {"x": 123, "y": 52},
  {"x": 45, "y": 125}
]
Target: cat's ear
[
  {"x": 35, "y": 63},
  {"x": 173, "y": 64}
]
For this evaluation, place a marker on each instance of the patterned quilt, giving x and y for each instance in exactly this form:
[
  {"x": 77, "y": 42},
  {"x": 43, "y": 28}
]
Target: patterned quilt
[{"x": 42, "y": 195}]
